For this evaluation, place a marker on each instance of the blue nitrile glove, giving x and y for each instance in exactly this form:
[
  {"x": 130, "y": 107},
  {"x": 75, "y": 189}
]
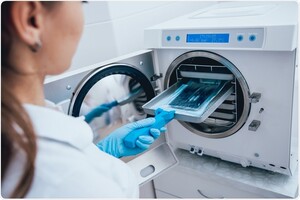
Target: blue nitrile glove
[
  {"x": 99, "y": 110},
  {"x": 162, "y": 117},
  {"x": 113, "y": 144}
]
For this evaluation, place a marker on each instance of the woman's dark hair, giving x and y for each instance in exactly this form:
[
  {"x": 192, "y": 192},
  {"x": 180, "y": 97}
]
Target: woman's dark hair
[{"x": 17, "y": 133}]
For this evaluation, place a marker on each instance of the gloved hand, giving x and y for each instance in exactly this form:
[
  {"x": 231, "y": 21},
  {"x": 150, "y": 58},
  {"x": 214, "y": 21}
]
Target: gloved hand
[
  {"x": 99, "y": 110},
  {"x": 113, "y": 144}
]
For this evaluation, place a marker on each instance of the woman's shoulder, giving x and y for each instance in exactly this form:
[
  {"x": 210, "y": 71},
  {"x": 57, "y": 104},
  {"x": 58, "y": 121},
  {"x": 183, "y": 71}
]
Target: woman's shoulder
[
  {"x": 67, "y": 171},
  {"x": 68, "y": 164},
  {"x": 53, "y": 125}
]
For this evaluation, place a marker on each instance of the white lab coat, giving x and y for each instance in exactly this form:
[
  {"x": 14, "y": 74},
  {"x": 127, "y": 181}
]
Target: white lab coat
[{"x": 68, "y": 164}]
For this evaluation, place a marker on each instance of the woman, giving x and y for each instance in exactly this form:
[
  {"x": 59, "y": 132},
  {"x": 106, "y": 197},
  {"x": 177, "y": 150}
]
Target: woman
[{"x": 45, "y": 153}]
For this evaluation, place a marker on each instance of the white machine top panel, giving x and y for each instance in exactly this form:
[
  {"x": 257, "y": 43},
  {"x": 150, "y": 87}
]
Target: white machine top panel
[
  {"x": 239, "y": 25},
  {"x": 241, "y": 14}
]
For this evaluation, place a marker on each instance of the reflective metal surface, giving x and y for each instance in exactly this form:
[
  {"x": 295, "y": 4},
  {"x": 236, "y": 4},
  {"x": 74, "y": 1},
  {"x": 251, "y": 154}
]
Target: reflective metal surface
[
  {"x": 115, "y": 82},
  {"x": 106, "y": 90}
]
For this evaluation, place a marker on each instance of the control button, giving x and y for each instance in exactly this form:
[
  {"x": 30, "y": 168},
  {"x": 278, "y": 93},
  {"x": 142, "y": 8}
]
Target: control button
[
  {"x": 252, "y": 38},
  {"x": 177, "y": 38},
  {"x": 240, "y": 38},
  {"x": 169, "y": 38}
]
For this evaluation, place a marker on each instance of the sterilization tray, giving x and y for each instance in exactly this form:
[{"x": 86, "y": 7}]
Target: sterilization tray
[{"x": 185, "y": 111}]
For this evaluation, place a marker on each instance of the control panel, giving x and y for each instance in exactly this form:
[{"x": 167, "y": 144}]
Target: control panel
[{"x": 226, "y": 38}]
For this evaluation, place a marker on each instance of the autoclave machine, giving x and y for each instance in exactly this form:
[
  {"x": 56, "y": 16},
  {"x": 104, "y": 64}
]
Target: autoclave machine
[
  {"x": 254, "y": 46},
  {"x": 253, "y": 122}
]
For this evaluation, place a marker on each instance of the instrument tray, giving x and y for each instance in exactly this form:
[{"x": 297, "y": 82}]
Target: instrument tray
[{"x": 193, "y": 101}]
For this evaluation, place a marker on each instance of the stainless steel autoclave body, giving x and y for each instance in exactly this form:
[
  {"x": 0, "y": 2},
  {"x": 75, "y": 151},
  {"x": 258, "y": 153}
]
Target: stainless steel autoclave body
[{"x": 257, "y": 124}]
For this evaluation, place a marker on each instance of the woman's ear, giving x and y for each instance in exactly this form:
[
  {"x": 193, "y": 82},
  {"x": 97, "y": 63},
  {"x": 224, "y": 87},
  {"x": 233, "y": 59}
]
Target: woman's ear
[{"x": 27, "y": 20}]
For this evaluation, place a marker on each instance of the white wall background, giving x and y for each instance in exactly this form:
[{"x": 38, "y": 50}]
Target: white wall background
[{"x": 114, "y": 28}]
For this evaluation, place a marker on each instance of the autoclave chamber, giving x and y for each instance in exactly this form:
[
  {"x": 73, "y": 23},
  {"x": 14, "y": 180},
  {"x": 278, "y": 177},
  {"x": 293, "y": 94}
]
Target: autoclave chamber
[{"x": 229, "y": 109}]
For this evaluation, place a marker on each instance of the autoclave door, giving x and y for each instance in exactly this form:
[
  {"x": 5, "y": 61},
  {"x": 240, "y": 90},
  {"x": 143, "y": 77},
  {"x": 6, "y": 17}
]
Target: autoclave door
[{"x": 118, "y": 79}]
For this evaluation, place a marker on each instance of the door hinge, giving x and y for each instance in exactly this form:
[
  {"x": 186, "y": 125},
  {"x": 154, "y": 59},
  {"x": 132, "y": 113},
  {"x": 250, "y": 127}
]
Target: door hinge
[
  {"x": 156, "y": 76},
  {"x": 255, "y": 97}
]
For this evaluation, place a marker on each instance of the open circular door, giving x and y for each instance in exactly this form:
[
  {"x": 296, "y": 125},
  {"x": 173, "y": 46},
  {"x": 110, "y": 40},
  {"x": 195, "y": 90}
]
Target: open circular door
[{"x": 106, "y": 84}]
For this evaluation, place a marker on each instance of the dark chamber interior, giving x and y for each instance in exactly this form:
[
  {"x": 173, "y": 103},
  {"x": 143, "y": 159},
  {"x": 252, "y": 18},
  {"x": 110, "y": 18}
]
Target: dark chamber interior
[{"x": 225, "y": 116}]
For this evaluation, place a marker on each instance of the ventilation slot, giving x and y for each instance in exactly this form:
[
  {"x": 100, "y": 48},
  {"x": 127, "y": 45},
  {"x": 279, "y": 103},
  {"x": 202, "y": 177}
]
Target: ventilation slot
[{"x": 283, "y": 167}]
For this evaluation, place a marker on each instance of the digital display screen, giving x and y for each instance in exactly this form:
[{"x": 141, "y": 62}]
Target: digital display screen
[{"x": 208, "y": 38}]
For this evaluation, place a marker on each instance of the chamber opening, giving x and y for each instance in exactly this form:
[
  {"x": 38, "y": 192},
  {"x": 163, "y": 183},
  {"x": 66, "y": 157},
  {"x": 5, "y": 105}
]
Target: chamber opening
[{"x": 233, "y": 112}]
